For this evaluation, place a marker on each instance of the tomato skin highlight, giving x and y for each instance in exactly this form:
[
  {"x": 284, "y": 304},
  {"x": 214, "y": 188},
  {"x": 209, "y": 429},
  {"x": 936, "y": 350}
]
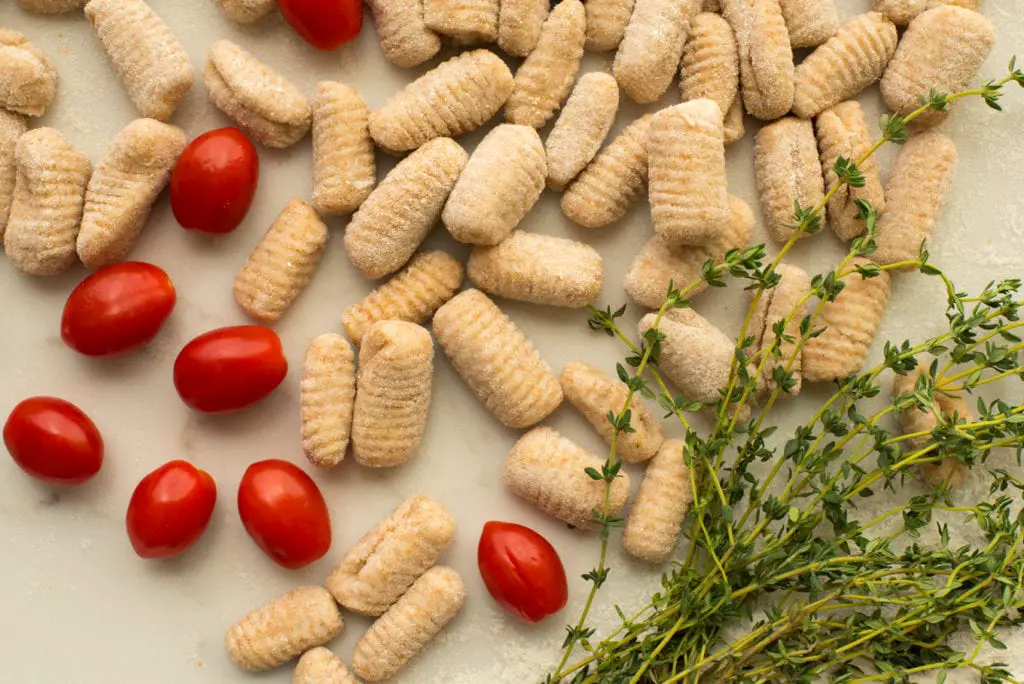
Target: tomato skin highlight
[
  {"x": 54, "y": 441},
  {"x": 522, "y": 571},
  {"x": 324, "y": 24},
  {"x": 117, "y": 309},
  {"x": 214, "y": 181},
  {"x": 284, "y": 513},
  {"x": 170, "y": 509},
  {"x": 229, "y": 369}
]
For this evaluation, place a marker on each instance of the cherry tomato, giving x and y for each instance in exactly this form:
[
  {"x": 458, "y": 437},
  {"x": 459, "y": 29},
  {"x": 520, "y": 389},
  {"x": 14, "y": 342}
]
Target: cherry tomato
[
  {"x": 170, "y": 509},
  {"x": 52, "y": 439},
  {"x": 117, "y": 309},
  {"x": 214, "y": 181},
  {"x": 229, "y": 368},
  {"x": 324, "y": 24},
  {"x": 284, "y": 513},
  {"x": 522, "y": 571}
]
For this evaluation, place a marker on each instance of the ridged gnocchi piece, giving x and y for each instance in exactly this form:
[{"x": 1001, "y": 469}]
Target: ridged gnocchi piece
[
  {"x": 28, "y": 81},
  {"x": 850, "y": 323},
  {"x": 810, "y": 22},
  {"x": 657, "y": 264},
  {"x": 396, "y": 217},
  {"x": 606, "y": 23},
  {"x": 282, "y": 263},
  {"x": 538, "y": 268},
  {"x": 902, "y": 12},
  {"x": 406, "y": 628},
  {"x": 12, "y": 127},
  {"x": 656, "y": 515},
  {"x": 405, "y": 39},
  {"x": 152, "y": 65},
  {"x": 344, "y": 167},
  {"x": 943, "y": 49},
  {"x": 689, "y": 203},
  {"x": 710, "y": 68},
  {"x": 580, "y": 129},
  {"x": 453, "y": 98},
  {"x": 283, "y": 629},
  {"x": 848, "y": 63},
  {"x": 651, "y": 48},
  {"x": 594, "y": 394},
  {"x": 921, "y": 178},
  {"x": 320, "y": 666},
  {"x": 495, "y": 359},
  {"x": 259, "y": 99},
  {"x": 49, "y": 191},
  {"x": 519, "y": 25},
  {"x": 548, "y": 470},
  {"x": 390, "y": 557},
  {"x": 842, "y": 131},
  {"x": 787, "y": 170},
  {"x": 766, "y": 56},
  {"x": 327, "y": 395},
  {"x": 499, "y": 185},
  {"x": 544, "y": 79},
  {"x": 604, "y": 191},
  {"x": 430, "y": 280},
  {"x": 247, "y": 11},
  {"x": 129, "y": 177},
  {"x": 51, "y": 6},
  {"x": 733, "y": 128},
  {"x": 471, "y": 21},
  {"x": 396, "y": 375},
  {"x": 774, "y": 306}
]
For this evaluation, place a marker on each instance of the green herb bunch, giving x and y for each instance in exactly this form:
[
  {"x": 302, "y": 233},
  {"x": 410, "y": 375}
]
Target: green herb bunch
[{"x": 783, "y": 579}]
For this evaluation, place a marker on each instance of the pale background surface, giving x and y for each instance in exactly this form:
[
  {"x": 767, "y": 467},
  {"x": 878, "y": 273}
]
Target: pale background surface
[{"x": 76, "y": 604}]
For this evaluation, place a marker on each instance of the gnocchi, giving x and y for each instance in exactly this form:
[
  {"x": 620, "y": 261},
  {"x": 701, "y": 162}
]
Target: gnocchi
[
  {"x": 28, "y": 81},
  {"x": 657, "y": 513},
  {"x": 766, "y": 56},
  {"x": 247, "y": 11},
  {"x": 405, "y": 38},
  {"x": 902, "y": 12},
  {"x": 320, "y": 666},
  {"x": 651, "y": 47},
  {"x": 519, "y": 25},
  {"x": 810, "y": 22},
  {"x": 606, "y": 22},
  {"x": 787, "y": 171},
  {"x": 344, "y": 168},
  {"x": 327, "y": 395},
  {"x": 710, "y": 68},
  {"x": 776, "y": 304},
  {"x": 12, "y": 127},
  {"x": 470, "y": 21},
  {"x": 51, "y": 6},
  {"x": 581, "y": 127}
]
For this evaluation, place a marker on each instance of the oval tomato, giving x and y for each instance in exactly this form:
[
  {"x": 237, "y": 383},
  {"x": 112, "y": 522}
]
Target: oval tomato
[
  {"x": 117, "y": 309},
  {"x": 229, "y": 368},
  {"x": 214, "y": 181},
  {"x": 522, "y": 571},
  {"x": 53, "y": 440},
  {"x": 284, "y": 513},
  {"x": 170, "y": 509},
  {"x": 324, "y": 24}
]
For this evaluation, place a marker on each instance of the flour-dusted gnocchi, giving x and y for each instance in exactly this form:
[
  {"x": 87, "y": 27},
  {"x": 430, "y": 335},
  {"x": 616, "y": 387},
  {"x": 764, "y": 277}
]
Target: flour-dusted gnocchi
[
  {"x": 850, "y": 324},
  {"x": 766, "y": 56},
  {"x": 320, "y": 666},
  {"x": 152, "y": 65},
  {"x": 344, "y": 168},
  {"x": 710, "y": 68},
  {"x": 390, "y": 557},
  {"x": 733, "y": 128},
  {"x": 650, "y": 50},
  {"x": 453, "y": 98},
  {"x": 595, "y": 394},
  {"x": 283, "y": 629},
  {"x": 49, "y": 190},
  {"x": 502, "y": 181},
  {"x": 787, "y": 170},
  {"x": 396, "y": 217},
  {"x": 470, "y": 21},
  {"x": 581, "y": 127},
  {"x": 28, "y": 81},
  {"x": 848, "y": 63},
  {"x": 943, "y": 49},
  {"x": 606, "y": 23},
  {"x": 842, "y": 131},
  {"x": 917, "y": 189},
  {"x": 12, "y": 127},
  {"x": 247, "y": 11},
  {"x": 661, "y": 504},
  {"x": 402, "y": 632},
  {"x": 689, "y": 203},
  {"x": 519, "y": 25},
  {"x": 548, "y": 470},
  {"x": 657, "y": 264},
  {"x": 259, "y": 99},
  {"x": 281, "y": 264},
  {"x": 495, "y": 359},
  {"x": 51, "y": 6},
  {"x": 327, "y": 395},
  {"x": 129, "y": 177},
  {"x": 405, "y": 39},
  {"x": 810, "y": 22},
  {"x": 545, "y": 77},
  {"x": 902, "y": 12},
  {"x": 776, "y": 304},
  {"x": 538, "y": 268},
  {"x": 430, "y": 280},
  {"x": 604, "y": 191}
]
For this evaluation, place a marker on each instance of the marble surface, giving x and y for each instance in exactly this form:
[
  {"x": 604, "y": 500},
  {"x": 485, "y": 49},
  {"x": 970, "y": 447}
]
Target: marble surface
[{"x": 77, "y": 606}]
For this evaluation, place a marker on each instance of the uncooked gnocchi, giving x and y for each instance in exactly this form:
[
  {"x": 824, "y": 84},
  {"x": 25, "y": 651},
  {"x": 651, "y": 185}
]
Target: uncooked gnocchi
[
  {"x": 519, "y": 25},
  {"x": 320, "y": 666},
  {"x": 776, "y": 304},
  {"x": 247, "y": 11},
  {"x": 650, "y": 50},
  {"x": 28, "y": 81},
  {"x": 787, "y": 170},
  {"x": 327, "y": 395},
  {"x": 661, "y": 504},
  {"x": 581, "y": 127},
  {"x": 902, "y": 12},
  {"x": 711, "y": 63},
  {"x": 405, "y": 39},
  {"x": 766, "y": 57},
  {"x": 470, "y": 21},
  {"x": 606, "y": 23},
  {"x": 12, "y": 127},
  {"x": 344, "y": 168},
  {"x": 810, "y": 22}
]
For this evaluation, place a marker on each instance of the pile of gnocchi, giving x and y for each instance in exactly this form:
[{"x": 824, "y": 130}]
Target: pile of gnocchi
[{"x": 368, "y": 392}]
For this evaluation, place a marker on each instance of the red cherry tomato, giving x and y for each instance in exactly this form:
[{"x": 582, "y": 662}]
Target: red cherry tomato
[
  {"x": 284, "y": 513},
  {"x": 170, "y": 509},
  {"x": 229, "y": 368},
  {"x": 52, "y": 439},
  {"x": 117, "y": 309},
  {"x": 214, "y": 181},
  {"x": 324, "y": 24},
  {"x": 522, "y": 571}
]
